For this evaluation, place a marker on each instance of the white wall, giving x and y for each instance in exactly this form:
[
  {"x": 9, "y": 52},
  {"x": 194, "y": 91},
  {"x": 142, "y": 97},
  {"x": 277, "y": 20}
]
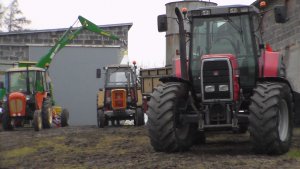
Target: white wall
[{"x": 73, "y": 73}]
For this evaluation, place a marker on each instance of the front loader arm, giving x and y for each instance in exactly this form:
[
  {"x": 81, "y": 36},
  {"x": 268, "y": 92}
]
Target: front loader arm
[
  {"x": 62, "y": 42},
  {"x": 94, "y": 28},
  {"x": 70, "y": 35}
]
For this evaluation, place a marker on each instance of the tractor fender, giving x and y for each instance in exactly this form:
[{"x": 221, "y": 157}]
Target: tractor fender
[
  {"x": 139, "y": 98},
  {"x": 100, "y": 98},
  {"x": 271, "y": 65},
  {"x": 175, "y": 79}
]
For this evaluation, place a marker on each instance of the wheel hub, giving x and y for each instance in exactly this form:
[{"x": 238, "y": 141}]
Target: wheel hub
[{"x": 283, "y": 120}]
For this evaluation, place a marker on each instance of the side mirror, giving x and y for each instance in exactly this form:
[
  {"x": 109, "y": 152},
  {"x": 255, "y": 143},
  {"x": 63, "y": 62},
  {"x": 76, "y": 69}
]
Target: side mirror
[
  {"x": 162, "y": 23},
  {"x": 98, "y": 73},
  {"x": 280, "y": 14},
  {"x": 1, "y": 85}
]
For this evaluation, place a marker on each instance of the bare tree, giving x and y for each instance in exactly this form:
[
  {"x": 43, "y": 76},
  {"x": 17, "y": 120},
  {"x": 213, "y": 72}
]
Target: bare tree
[{"x": 14, "y": 19}]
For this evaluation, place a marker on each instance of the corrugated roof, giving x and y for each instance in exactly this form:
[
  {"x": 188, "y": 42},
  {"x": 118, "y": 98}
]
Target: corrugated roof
[{"x": 62, "y": 29}]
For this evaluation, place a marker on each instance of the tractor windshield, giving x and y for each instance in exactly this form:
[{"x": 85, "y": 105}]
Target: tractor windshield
[
  {"x": 17, "y": 81},
  {"x": 224, "y": 35},
  {"x": 119, "y": 77}
]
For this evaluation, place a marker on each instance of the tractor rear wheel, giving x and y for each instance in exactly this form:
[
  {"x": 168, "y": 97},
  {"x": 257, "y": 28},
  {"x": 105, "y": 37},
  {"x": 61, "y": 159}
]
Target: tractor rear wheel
[
  {"x": 271, "y": 118},
  {"x": 167, "y": 132},
  {"x": 37, "y": 120},
  {"x": 6, "y": 120},
  {"x": 64, "y": 117},
  {"x": 47, "y": 113},
  {"x": 101, "y": 119},
  {"x": 139, "y": 117}
]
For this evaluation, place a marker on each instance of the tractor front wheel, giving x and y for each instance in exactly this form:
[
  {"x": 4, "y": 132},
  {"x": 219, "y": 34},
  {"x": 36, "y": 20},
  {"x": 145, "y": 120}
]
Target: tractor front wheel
[
  {"x": 64, "y": 117},
  {"x": 37, "y": 120},
  {"x": 139, "y": 117},
  {"x": 47, "y": 113},
  {"x": 271, "y": 118},
  {"x": 6, "y": 120},
  {"x": 101, "y": 119},
  {"x": 167, "y": 132}
]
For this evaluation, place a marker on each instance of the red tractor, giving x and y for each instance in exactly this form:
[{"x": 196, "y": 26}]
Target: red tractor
[{"x": 229, "y": 82}]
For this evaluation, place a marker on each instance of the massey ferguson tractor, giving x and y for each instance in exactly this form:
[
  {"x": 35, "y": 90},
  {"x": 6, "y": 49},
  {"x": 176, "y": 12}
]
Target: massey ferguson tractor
[
  {"x": 229, "y": 81},
  {"x": 28, "y": 96},
  {"x": 121, "y": 96}
]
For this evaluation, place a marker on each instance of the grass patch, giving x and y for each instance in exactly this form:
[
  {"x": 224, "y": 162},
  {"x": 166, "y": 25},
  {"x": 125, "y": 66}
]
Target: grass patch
[
  {"x": 19, "y": 152},
  {"x": 294, "y": 153}
]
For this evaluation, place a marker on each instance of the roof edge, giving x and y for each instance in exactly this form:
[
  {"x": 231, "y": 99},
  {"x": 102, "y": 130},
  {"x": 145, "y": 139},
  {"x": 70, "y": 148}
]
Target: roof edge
[{"x": 63, "y": 29}]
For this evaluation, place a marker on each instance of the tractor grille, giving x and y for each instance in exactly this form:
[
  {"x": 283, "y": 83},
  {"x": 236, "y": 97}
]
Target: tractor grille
[
  {"x": 216, "y": 74},
  {"x": 118, "y": 97},
  {"x": 17, "y": 104}
]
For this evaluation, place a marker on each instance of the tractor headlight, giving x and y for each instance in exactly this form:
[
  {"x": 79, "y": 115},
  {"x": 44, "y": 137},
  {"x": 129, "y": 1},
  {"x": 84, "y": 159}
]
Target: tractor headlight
[
  {"x": 4, "y": 99},
  {"x": 129, "y": 99},
  {"x": 28, "y": 97},
  {"x": 108, "y": 100},
  {"x": 223, "y": 88},
  {"x": 209, "y": 88}
]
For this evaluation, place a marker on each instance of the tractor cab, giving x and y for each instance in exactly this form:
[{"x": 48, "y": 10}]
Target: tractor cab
[
  {"x": 229, "y": 30},
  {"x": 25, "y": 80},
  {"x": 120, "y": 76}
]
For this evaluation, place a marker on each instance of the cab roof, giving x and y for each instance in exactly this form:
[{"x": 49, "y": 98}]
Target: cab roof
[
  {"x": 19, "y": 69},
  {"x": 119, "y": 66},
  {"x": 221, "y": 10}
]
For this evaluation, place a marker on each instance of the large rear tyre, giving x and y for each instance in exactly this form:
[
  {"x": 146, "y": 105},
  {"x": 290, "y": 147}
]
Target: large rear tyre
[
  {"x": 101, "y": 119},
  {"x": 166, "y": 131},
  {"x": 37, "y": 120},
  {"x": 271, "y": 118},
  {"x": 64, "y": 117},
  {"x": 139, "y": 117},
  {"x": 47, "y": 113},
  {"x": 6, "y": 120}
]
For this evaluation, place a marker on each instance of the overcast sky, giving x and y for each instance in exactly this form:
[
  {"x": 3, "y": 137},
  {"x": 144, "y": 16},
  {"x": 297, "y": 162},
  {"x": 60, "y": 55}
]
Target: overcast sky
[{"x": 146, "y": 44}]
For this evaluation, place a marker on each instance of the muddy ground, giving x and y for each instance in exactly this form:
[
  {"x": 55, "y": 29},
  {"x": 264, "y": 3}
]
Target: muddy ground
[{"x": 129, "y": 147}]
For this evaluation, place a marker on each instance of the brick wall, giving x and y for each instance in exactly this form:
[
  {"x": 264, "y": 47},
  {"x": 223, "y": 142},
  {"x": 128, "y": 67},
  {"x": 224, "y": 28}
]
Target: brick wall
[
  {"x": 282, "y": 36},
  {"x": 14, "y": 46}
]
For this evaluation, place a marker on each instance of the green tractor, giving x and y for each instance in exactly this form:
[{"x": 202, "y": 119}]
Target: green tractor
[{"x": 121, "y": 97}]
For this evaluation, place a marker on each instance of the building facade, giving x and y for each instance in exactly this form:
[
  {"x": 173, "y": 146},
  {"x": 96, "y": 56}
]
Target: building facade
[{"x": 73, "y": 69}]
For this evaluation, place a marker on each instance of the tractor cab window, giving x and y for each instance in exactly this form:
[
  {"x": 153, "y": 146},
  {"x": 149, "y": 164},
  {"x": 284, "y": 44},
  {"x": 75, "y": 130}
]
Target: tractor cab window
[
  {"x": 39, "y": 84},
  {"x": 18, "y": 81},
  {"x": 119, "y": 77},
  {"x": 224, "y": 35}
]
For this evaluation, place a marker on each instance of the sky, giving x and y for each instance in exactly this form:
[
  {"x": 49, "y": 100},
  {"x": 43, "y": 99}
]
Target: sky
[{"x": 146, "y": 45}]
